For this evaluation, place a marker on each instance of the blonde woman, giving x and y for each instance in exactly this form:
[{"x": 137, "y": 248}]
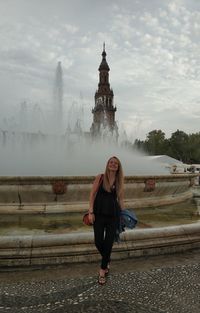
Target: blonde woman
[{"x": 106, "y": 200}]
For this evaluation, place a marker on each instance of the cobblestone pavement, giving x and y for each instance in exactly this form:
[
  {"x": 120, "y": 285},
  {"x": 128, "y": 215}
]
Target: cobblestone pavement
[{"x": 169, "y": 284}]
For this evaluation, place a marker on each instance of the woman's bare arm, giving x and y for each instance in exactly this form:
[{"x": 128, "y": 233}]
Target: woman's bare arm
[{"x": 121, "y": 201}]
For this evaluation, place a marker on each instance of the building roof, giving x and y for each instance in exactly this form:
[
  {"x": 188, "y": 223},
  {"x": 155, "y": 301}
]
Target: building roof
[{"x": 165, "y": 159}]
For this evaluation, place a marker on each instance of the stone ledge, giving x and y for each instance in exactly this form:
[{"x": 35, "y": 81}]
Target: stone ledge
[{"x": 79, "y": 247}]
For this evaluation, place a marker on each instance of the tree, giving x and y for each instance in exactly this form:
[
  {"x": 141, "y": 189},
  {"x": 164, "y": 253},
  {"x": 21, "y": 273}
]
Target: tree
[
  {"x": 179, "y": 143},
  {"x": 194, "y": 148},
  {"x": 155, "y": 142}
]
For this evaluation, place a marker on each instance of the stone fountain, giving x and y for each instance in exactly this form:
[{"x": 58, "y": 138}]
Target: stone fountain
[
  {"x": 45, "y": 195},
  {"x": 52, "y": 172}
]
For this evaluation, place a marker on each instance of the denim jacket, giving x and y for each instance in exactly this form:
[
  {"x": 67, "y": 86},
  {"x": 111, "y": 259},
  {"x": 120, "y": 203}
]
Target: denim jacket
[{"x": 127, "y": 219}]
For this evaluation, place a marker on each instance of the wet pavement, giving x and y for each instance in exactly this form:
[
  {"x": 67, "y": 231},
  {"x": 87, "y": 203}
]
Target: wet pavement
[{"x": 169, "y": 284}]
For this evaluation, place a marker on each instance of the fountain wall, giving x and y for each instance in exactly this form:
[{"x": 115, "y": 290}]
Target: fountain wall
[{"x": 71, "y": 194}]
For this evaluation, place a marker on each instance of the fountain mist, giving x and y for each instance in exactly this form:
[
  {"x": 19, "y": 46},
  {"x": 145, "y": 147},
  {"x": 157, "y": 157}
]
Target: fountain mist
[{"x": 50, "y": 145}]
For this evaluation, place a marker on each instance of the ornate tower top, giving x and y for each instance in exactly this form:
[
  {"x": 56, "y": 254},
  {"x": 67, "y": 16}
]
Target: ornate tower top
[{"x": 104, "y": 64}]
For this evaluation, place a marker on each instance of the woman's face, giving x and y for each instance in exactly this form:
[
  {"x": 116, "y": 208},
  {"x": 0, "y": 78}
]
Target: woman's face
[{"x": 113, "y": 165}]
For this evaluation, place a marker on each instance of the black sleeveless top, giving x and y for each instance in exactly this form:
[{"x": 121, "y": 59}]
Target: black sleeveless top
[{"x": 106, "y": 203}]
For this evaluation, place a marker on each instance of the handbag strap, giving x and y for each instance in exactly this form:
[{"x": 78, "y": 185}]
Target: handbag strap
[{"x": 97, "y": 185}]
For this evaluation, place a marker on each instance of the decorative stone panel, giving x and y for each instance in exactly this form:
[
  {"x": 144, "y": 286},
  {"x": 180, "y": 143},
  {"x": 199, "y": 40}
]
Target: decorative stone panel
[
  {"x": 59, "y": 187},
  {"x": 150, "y": 185}
]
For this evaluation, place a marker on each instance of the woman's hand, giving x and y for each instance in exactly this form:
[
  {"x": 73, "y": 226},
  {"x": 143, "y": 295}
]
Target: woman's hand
[{"x": 91, "y": 218}]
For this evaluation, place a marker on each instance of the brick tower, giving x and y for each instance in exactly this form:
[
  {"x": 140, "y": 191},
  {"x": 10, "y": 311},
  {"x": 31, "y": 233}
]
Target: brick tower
[{"x": 104, "y": 124}]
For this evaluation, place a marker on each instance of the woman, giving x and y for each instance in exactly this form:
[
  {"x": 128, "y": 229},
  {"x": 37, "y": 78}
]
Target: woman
[{"x": 106, "y": 200}]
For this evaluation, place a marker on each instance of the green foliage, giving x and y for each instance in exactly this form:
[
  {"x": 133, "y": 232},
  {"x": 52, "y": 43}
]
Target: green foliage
[
  {"x": 180, "y": 145},
  {"x": 155, "y": 142}
]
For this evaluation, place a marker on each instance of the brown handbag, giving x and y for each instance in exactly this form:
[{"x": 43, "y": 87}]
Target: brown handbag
[{"x": 86, "y": 220}]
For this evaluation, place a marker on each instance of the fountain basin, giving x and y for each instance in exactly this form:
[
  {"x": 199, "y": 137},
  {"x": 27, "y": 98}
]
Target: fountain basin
[
  {"x": 24, "y": 195},
  {"x": 62, "y": 223}
]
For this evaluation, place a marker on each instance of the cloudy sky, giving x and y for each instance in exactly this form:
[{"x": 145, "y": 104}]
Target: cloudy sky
[{"x": 153, "y": 50}]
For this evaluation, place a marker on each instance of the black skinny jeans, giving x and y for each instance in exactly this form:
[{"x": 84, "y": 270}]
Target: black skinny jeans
[{"x": 104, "y": 236}]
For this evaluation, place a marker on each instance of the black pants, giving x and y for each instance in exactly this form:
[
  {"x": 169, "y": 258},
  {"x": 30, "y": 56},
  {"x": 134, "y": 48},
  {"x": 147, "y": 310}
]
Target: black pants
[{"x": 104, "y": 236}]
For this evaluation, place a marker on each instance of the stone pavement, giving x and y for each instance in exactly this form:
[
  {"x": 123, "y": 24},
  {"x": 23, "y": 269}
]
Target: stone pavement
[{"x": 169, "y": 284}]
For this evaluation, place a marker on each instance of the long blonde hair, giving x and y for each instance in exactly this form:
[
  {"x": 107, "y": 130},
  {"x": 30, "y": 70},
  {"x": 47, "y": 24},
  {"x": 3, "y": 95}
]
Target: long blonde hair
[{"x": 119, "y": 179}]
